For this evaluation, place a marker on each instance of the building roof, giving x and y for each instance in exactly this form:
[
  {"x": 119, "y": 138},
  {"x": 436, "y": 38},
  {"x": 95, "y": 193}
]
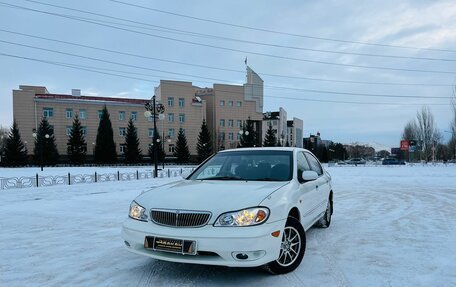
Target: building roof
[{"x": 91, "y": 98}]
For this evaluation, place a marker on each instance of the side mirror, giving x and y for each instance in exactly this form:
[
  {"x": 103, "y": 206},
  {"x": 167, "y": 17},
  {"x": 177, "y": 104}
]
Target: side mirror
[
  {"x": 308, "y": 175},
  {"x": 185, "y": 174}
]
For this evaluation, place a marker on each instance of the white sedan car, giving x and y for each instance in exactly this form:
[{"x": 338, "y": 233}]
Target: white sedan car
[{"x": 243, "y": 208}]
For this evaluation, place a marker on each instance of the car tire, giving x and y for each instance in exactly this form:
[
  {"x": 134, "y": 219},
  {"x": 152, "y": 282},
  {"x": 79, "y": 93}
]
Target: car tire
[
  {"x": 325, "y": 220},
  {"x": 293, "y": 247}
]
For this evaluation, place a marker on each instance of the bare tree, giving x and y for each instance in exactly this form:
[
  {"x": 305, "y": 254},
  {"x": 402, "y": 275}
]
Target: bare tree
[
  {"x": 410, "y": 131},
  {"x": 452, "y": 143},
  {"x": 3, "y": 137},
  {"x": 428, "y": 136}
]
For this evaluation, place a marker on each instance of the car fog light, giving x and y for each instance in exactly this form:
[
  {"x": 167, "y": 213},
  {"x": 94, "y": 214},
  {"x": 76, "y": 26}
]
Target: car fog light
[
  {"x": 242, "y": 256},
  {"x": 248, "y": 255}
]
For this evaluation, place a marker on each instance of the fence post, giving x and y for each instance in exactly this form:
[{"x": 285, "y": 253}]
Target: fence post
[
  {"x": 118, "y": 175},
  {"x": 181, "y": 171},
  {"x": 169, "y": 173},
  {"x": 96, "y": 177},
  {"x": 69, "y": 179},
  {"x": 37, "y": 185},
  {"x": 137, "y": 175}
]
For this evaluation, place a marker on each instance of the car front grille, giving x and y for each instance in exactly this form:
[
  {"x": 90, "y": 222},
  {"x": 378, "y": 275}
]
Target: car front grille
[{"x": 180, "y": 218}]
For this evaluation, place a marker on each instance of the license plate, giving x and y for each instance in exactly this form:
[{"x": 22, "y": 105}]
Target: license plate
[{"x": 170, "y": 245}]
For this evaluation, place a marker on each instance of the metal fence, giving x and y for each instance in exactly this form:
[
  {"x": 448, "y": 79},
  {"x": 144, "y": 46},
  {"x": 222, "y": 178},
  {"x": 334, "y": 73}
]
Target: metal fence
[{"x": 70, "y": 179}]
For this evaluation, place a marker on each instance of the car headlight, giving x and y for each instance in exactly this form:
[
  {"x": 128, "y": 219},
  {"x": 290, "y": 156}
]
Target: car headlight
[
  {"x": 245, "y": 217},
  {"x": 137, "y": 212}
]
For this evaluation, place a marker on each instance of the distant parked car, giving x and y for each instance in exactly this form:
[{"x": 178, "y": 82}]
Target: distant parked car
[
  {"x": 356, "y": 161},
  {"x": 241, "y": 208},
  {"x": 392, "y": 161}
]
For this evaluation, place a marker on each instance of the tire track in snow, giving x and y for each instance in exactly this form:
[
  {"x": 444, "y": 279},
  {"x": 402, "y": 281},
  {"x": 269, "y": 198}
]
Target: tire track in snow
[{"x": 336, "y": 273}]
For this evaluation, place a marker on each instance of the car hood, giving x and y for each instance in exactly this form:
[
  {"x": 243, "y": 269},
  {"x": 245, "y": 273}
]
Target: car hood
[{"x": 209, "y": 195}]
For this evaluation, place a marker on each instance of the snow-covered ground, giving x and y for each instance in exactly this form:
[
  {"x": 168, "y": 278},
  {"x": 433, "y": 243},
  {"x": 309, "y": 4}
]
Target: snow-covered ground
[{"x": 392, "y": 226}]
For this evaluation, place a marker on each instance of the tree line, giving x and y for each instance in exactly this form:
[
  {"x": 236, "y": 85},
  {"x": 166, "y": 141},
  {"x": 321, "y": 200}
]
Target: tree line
[
  {"x": 14, "y": 152},
  {"x": 429, "y": 140}
]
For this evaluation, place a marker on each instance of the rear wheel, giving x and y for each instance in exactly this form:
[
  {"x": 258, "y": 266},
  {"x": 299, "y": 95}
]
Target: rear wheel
[{"x": 292, "y": 248}]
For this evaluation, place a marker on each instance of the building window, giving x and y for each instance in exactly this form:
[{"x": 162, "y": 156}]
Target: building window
[
  {"x": 171, "y": 117},
  {"x": 239, "y": 103},
  {"x": 151, "y": 133},
  {"x": 100, "y": 113},
  {"x": 274, "y": 122},
  {"x": 222, "y": 103},
  {"x": 84, "y": 131},
  {"x": 48, "y": 112},
  {"x": 170, "y": 102},
  {"x": 68, "y": 130},
  {"x": 134, "y": 116},
  {"x": 122, "y": 132},
  {"x": 230, "y": 136},
  {"x": 122, "y": 148},
  {"x": 181, "y": 102},
  {"x": 171, "y": 133},
  {"x": 222, "y": 122},
  {"x": 230, "y": 103},
  {"x": 238, "y": 137},
  {"x": 230, "y": 123},
  {"x": 238, "y": 123},
  {"x": 182, "y": 118},
  {"x": 222, "y": 136},
  {"x": 82, "y": 114},
  {"x": 171, "y": 148},
  {"x": 69, "y": 113},
  {"x": 121, "y": 116}
]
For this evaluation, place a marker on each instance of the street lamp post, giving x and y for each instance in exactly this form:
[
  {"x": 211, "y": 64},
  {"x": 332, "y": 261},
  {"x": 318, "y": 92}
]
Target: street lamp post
[
  {"x": 154, "y": 107},
  {"x": 242, "y": 132},
  {"x": 148, "y": 114},
  {"x": 35, "y": 135}
]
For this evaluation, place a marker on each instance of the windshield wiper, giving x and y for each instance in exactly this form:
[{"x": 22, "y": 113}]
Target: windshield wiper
[
  {"x": 223, "y": 178},
  {"x": 266, "y": 179}
]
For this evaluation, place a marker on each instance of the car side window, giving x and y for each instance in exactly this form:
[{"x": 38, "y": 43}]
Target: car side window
[
  {"x": 314, "y": 164},
  {"x": 302, "y": 163}
]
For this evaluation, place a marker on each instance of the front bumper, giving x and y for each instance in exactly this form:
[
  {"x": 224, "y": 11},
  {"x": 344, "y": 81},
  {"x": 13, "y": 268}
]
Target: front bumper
[{"x": 215, "y": 245}]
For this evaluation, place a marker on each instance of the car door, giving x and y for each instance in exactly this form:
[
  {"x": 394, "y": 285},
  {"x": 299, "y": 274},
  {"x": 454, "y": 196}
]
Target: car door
[
  {"x": 322, "y": 186},
  {"x": 307, "y": 192}
]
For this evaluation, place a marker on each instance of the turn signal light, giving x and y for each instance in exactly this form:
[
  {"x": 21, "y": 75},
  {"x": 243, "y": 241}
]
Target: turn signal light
[{"x": 276, "y": 233}]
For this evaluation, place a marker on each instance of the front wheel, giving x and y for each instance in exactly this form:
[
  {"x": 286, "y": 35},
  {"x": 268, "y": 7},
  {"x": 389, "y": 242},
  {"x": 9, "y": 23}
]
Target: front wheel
[{"x": 292, "y": 248}]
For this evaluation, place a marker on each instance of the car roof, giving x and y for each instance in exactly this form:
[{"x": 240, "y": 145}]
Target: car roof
[{"x": 264, "y": 149}]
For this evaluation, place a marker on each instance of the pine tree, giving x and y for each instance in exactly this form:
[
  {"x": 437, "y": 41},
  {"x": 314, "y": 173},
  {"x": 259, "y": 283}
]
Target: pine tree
[
  {"x": 270, "y": 139},
  {"x": 105, "y": 148},
  {"x": 248, "y": 137},
  {"x": 76, "y": 146},
  {"x": 15, "y": 150},
  {"x": 160, "y": 152},
  {"x": 45, "y": 151},
  {"x": 181, "y": 151},
  {"x": 204, "y": 145},
  {"x": 132, "y": 150}
]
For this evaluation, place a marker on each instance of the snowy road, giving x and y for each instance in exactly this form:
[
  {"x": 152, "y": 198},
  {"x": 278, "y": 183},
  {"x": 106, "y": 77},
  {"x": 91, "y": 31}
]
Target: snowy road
[{"x": 392, "y": 226}]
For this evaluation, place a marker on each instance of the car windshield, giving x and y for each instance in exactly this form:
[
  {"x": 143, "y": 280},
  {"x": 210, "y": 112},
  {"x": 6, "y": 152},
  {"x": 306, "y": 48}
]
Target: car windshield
[{"x": 248, "y": 165}]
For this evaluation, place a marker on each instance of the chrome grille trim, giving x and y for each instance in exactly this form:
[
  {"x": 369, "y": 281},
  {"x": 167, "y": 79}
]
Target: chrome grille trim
[{"x": 179, "y": 218}]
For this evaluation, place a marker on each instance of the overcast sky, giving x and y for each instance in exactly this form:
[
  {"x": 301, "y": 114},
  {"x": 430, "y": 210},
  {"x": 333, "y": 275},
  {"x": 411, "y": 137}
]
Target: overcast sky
[{"x": 342, "y": 117}]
